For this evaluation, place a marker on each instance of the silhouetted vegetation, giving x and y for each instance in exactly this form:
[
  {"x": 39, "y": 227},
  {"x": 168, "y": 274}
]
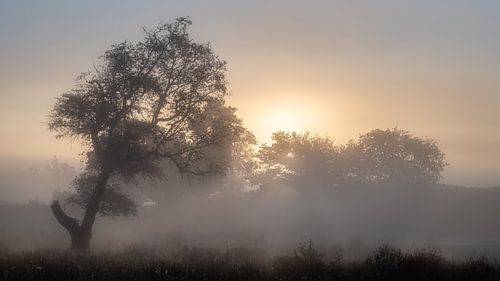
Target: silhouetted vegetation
[
  {"x": 379, "y": 157},
  {"x": 157, "y": 106},
  {"x": 156, "y": 110},
  {"x": 386, "y": 263},
  {"x": 145, "y": 108}
]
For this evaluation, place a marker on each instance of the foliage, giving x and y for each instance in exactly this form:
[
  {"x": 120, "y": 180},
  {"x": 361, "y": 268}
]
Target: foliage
[
  {"x": 147, "y": 106},
  {"x": 307, "y": 253},
  {"x": 298, "y": 156},
  {"x": 156, "y": 99},
  {"x": 385, "y": 261},
  {"x": 392, "y": 156},
  {"x": 114, "y": 203},
  {"x": 305, "y": 264},
  {"x": 389, "y": 157}
]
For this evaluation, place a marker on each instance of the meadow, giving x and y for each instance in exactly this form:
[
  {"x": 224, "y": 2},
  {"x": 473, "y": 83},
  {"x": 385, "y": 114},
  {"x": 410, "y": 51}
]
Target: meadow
[{"x": 305, "y": 263}]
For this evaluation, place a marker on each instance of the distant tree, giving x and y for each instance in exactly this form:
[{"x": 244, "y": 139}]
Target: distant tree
[
  {"x": 146, "y": 106},
  {"x": 391, "y": 156},
  {"x": 302, "y": 158},
  {"x": 60, "y": 172},
  {"x": 243, "y": 162}
]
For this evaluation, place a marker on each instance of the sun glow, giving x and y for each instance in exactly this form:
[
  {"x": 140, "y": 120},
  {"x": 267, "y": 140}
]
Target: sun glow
[
  {"x": 288, "y": 120},
  {"x": 285, "y": 120},
  {"x": 288, "y": 110}
]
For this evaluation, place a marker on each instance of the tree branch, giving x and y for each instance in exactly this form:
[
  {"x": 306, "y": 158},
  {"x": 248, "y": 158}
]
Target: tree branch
[{"x": 71, "y": 224}]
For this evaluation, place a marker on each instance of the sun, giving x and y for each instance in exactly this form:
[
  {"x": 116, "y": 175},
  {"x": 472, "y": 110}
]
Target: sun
[
  {"x": 295, "y": 111},
  {"x": 288, "y": 120},
  {"x": 285, "y": 120}
]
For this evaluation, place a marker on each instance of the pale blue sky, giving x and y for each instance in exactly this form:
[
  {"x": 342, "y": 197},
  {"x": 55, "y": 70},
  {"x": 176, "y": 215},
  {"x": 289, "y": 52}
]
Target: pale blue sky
[{"x": 338, "y": 68}]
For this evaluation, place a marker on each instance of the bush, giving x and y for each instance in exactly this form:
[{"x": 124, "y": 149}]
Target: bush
[
  {"x": 305, "y": 264},
  {"x": 385, "y": 262}
]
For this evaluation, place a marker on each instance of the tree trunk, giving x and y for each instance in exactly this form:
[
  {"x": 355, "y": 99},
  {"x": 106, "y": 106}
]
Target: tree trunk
[
  {"x": 79, "y": 241},
  {"x": 81, "y": 233}
]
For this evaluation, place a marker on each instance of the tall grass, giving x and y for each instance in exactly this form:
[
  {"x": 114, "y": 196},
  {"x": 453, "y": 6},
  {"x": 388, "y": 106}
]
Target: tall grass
[{"x": 306, "y": 263}]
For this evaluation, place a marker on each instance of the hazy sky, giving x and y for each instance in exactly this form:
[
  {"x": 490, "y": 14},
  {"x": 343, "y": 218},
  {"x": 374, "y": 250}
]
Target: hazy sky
[{"x": 339, "y": 68}]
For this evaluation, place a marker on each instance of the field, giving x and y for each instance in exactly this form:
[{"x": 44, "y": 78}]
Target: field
[{"x": 305, "y": 263}]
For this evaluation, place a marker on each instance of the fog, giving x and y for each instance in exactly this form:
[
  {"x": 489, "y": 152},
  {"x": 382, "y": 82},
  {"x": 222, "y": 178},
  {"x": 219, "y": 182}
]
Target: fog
[
  {"x": 344, "y": 67},
  {"x": 163, "y": 145},
  {"x": 223, "y": 212}
]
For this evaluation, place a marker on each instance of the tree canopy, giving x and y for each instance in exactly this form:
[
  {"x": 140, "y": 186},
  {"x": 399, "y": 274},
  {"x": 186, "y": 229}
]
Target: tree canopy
[
  {"x": 391, "y": 156},
  {"x": 159, "y": 98},
  {"x": 304, "y": 157}
]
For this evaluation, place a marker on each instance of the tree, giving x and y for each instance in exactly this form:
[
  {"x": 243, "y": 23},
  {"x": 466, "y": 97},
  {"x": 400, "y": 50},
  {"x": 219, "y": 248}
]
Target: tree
[
  {"x": 391, "y": 156},
  {"x": 301, "y": 158},
  {"x": 243, "y": 163},
  {"x": 144, "y": 105}
]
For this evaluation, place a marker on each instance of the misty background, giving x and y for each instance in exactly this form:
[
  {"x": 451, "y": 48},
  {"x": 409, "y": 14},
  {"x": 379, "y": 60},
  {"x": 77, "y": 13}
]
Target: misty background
[
  {"x": 428, "y": 67},
  {"x": 338, "y": 68}
]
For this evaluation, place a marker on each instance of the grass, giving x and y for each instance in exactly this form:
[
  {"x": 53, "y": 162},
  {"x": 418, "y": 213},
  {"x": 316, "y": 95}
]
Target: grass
[{"x": 385, "y": 263}]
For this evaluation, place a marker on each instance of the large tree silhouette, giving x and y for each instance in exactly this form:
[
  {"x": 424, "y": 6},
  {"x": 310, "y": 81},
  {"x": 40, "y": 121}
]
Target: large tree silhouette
[{"x": 145, "y": 106}]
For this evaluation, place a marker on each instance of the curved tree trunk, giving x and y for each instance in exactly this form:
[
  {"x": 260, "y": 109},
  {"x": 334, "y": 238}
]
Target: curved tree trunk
[
  {"x": 82, "y": 233},
  {"x": 79, "y": 241}
]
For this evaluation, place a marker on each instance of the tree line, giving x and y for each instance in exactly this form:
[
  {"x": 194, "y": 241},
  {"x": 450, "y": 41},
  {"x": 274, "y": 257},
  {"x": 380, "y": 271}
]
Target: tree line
[{"x": 390, "y": 156}]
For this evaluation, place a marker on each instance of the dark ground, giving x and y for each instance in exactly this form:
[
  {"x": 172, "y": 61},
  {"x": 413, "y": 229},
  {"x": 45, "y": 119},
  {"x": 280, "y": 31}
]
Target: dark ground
[{"x": 386, "y": 263}]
